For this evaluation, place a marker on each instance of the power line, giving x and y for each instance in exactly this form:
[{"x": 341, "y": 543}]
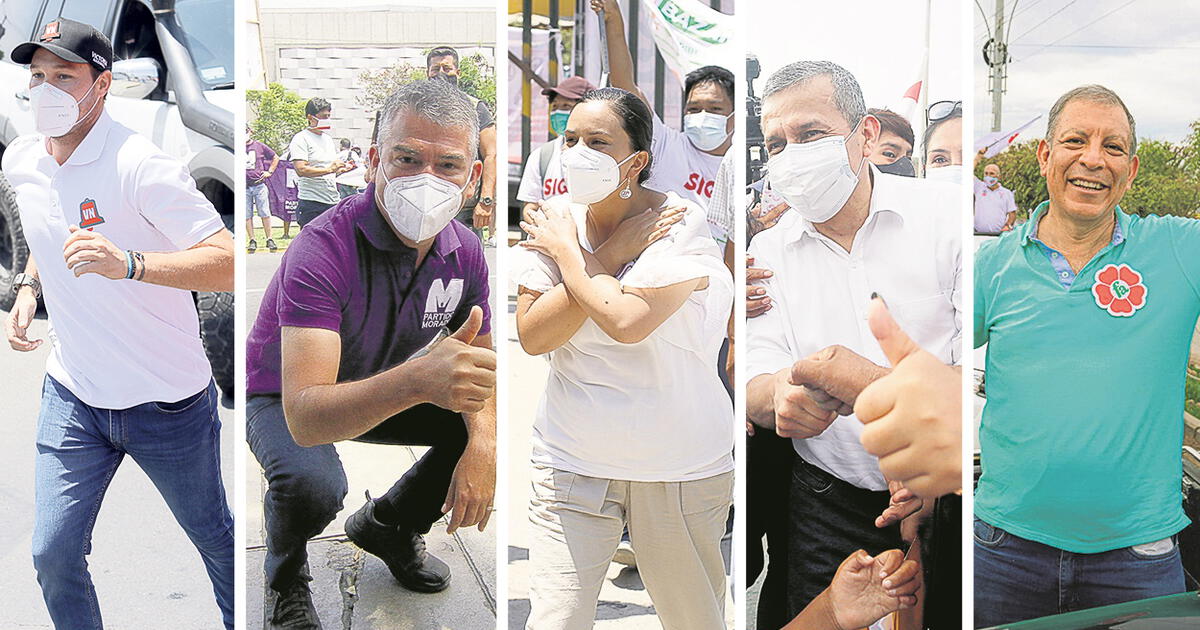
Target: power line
[
  {"x": 1134, "y": 47},
  {"x": 1038, "y": 51},
  {"x": 1035, "y": 27}
]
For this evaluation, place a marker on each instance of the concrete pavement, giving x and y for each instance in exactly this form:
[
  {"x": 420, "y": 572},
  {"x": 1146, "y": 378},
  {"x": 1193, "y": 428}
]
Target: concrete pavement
[
  {"x": 352, "y": 589},
  {"x": 146, "y": 571}
]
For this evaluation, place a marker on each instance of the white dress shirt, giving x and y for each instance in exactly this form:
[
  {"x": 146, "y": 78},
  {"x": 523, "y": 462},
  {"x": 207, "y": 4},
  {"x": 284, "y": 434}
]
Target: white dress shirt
[
  {"x": 909, "y": 250},
  {"x": 654, "y": 410},
  {"x": 114, "y": 343}
]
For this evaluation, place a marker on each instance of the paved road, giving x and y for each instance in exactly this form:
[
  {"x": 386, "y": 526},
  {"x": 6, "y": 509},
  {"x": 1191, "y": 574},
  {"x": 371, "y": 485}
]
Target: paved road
[
  {"x": 147, "y": 573},
  {"x": 354, "y": 590}
]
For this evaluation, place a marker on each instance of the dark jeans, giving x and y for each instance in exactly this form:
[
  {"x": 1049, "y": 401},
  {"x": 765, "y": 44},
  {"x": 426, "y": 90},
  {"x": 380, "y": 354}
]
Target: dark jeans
[
  {"x": 768, "y": 470},
  {"x": 1018, "y": 579},
  {"x": 305, "y": 486},
  {"x": 830, "y": 519},
  {"x": 941, "y": 558},
  {"x": 307, "y": 210}
]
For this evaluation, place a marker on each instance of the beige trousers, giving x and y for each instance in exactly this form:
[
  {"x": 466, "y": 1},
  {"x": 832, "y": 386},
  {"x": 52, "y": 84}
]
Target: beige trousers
[{"x": 675, "y": 530}]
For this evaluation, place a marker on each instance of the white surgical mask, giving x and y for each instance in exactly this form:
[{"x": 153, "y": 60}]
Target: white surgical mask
[
  {"x": 419, "y": 206},
  {"x": 590, "y": 174},
  {"x": 952, "y": 174},
  {"x": 815, "y": 177},
  {"x": 706, "y": 130},
  {"x": 55, "y": 111}
]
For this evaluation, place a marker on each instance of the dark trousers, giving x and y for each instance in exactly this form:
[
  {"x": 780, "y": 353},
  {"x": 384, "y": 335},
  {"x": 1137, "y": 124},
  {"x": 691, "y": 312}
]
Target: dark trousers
[
  {"x": 830, "y": 519},
  {"x": 768, "y": 471},
  {"x": 941, "y": 558},
  {"x": 307, "y": 210},
  {"x": 306, "y": 486}
]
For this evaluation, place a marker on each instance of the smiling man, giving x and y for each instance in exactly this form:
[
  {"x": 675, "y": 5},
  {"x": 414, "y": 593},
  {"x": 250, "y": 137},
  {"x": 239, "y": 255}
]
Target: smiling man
[
  {"x": 333, "y": 356},
  {"x": 118, "y": 238},
  {"x": 1087, "y": 312}
]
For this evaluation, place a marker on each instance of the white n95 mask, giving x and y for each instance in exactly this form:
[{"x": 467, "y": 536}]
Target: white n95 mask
[
  {"x": 55, "y": 112},
  {"x": 590, "y": 174},
  {"x": 815, "y": 178},
  {"x": 706, "y": 130},
  {"x": 419, "y": 206},
  {"x": 952, "y": 174}
]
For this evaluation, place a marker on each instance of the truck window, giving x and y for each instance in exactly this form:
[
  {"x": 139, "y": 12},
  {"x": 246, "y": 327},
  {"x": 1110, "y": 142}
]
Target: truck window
[
  {"x": 18, "y": 21},
  {"x": 98, "y": 13}
]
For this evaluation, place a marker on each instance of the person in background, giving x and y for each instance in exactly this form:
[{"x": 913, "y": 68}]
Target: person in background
[
  {"x": 895, "y": 143},
  {"x": 686, "y": 162},
  {"x": 542, "y": 177},
  {"x": 348, "y": 181},
  {"x": 261, "y": 163},
  {"x": 995, "y": 205},
  {"x": 942, "y": 142},
  {"x": 442, "y": 63},
  {"x": 314, "y": 157}
]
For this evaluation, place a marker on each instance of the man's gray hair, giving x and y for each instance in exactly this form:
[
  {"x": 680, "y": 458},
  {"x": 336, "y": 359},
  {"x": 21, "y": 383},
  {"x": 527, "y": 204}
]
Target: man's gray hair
[
  {"x": 1092, "y": 94},
  {"x": 436, "y": 101},
  {"x": 847, "y": 96}
]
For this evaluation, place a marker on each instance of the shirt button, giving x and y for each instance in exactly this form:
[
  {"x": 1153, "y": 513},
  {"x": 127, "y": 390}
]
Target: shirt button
[
  {"x": 1054, "y": 255},
  {"x": 1065, "y": 274}
]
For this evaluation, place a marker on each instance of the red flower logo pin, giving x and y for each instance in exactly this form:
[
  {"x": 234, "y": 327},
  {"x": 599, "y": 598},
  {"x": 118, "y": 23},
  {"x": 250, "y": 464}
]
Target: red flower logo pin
[{"x": 1119, "y": 290}]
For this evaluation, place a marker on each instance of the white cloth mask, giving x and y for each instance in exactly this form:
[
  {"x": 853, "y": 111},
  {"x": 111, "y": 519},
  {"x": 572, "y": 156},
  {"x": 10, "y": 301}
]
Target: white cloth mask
[
  {"x": 815, "y": 177},
  {"x": 55, "y": 111},
  {"x": 706, "y": 130},
  {"x": 419, "y": 206},
  {"x": 952, "y": 174},
  {"x": 590, "y": 174}
]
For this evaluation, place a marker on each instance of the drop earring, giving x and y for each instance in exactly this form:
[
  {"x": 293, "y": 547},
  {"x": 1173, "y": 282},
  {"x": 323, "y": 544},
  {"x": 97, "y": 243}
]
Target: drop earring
[{"x": 625, "y": 192}]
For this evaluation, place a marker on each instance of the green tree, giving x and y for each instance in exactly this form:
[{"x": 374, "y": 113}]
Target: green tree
[
  {"x": 278, "y": 114},
  {"x": 1020, "y": 173},
  {"x": 475, "y": 77}
]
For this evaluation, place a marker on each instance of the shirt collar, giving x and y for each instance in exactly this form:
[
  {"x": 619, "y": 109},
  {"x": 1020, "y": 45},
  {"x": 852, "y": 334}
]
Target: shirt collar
[
  {"x": 1029, "y": 231},
  {"x": 93, "y": 143},
  {"x": 379, "y": 232},
  {"x": 881, "y": 201}
]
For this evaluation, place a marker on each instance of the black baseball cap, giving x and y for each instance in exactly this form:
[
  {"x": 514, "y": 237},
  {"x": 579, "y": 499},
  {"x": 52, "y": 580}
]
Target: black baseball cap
[{"x": 72, "y": 41}]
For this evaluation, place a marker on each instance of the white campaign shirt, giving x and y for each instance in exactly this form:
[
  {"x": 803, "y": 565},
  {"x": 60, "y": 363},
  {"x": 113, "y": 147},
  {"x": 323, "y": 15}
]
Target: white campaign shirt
[
  {"x": 649, "y": 411},
  {"x": 536, "y": 185},
  {"x": 318, "y": 150},
  {"x": 678, "y": 166},
  {"x": 909, "y": 250},
  {"x": 114, "y": 343},
  {"x": 992, "y": 207}
]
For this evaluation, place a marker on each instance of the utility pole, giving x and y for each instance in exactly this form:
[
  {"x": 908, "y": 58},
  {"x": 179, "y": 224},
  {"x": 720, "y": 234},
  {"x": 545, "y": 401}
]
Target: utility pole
[{"x": 995, "y": 53}]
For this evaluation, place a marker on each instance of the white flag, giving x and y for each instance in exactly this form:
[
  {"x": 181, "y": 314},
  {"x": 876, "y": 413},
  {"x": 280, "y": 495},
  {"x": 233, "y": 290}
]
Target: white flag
[
  {"x": 691, "y": 35},
  {"x": 998, "y": 141}
]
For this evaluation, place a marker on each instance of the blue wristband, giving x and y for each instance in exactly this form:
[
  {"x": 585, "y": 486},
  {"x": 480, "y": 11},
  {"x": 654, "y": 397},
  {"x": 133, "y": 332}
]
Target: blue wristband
[{"x": 128, "y": 265}]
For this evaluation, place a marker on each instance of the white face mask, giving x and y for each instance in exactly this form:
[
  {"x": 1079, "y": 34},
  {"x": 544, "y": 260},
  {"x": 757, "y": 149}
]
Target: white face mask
[
  {"x": 815, "y": 178},
  {"x": 705, "y": 130},
  {"x": 952, "y": 174},
  {"x": 56, "y": 112},
  {"x": 419, "y": 206},
  {"x": 590, "y": 174}
]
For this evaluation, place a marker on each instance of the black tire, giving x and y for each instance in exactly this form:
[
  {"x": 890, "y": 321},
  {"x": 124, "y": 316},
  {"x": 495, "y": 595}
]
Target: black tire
[
  {"x": 14, "y": 252},
  {"x": 216, "y": 331}
]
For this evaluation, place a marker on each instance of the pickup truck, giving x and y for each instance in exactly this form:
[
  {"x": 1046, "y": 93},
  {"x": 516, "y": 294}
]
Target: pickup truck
[{"x": 173, "y": 80}]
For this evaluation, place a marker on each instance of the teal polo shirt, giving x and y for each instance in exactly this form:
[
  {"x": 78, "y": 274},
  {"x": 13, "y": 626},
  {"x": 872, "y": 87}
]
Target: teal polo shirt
[{"x": 1082, "y": 432}]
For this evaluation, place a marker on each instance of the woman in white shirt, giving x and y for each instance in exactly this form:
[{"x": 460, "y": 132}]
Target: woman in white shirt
[{"x": 634, "y": 428}]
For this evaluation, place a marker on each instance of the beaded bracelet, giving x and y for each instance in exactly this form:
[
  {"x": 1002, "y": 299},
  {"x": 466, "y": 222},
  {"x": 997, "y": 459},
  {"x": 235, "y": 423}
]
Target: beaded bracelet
[{"x": 128, "y": 265}]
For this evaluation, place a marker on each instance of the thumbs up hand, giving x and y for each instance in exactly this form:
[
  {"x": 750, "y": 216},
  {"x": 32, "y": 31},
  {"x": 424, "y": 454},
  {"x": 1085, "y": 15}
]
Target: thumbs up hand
[
  {"x": 913, "y": 416},
  {"x": 462, "y": 377}
]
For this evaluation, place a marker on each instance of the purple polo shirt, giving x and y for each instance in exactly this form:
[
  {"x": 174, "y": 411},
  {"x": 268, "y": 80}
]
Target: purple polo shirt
[
  {"x": 258, "y": 160},
  {"x": 348, "y": 272}
]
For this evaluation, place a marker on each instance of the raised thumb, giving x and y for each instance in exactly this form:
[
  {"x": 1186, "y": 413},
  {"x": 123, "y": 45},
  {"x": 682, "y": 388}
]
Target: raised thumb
[
  {"x": 896, "y": 344},
  {"x": 466, "y": 333}
]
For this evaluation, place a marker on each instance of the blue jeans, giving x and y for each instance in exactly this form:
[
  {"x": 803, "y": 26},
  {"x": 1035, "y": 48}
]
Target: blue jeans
[
  {"x": 258, "y": 201},
  {"x": 79, "y": 448},
  {"x": 1018, "y": 579}
]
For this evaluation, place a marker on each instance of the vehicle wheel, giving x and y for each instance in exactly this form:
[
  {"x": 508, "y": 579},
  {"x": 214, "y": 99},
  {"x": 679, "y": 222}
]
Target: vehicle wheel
[
  {"x": 14, "y": 252},
  {"x": 216, "y": 331}
]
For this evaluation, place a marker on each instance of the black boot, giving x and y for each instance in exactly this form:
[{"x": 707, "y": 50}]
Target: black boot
[{"x": 402, "y": 549}]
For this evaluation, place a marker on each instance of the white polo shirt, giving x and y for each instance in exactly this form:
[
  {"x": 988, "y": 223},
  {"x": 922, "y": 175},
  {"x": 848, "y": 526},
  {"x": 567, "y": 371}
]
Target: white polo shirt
[
  {"x": 319, "y": 151},
  {"x": 909, "y": 250},
  {"x": 536, "y": 185},
  {"x": 992, "y": 207},
  {"x": 654, "y": 410},
  {"x": 114, "y": 343},
  {"x": 677, "y": 166}
]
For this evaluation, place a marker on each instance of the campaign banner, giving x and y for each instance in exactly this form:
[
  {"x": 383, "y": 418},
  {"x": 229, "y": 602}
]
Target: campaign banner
[
  {"x": 281, "y": 189},
  {"x": 690, "y": 35}
]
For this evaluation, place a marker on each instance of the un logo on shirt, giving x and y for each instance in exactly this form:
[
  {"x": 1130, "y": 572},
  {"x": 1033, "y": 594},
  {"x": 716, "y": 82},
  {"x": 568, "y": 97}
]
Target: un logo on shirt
[{"x": 442, "y": 301}]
